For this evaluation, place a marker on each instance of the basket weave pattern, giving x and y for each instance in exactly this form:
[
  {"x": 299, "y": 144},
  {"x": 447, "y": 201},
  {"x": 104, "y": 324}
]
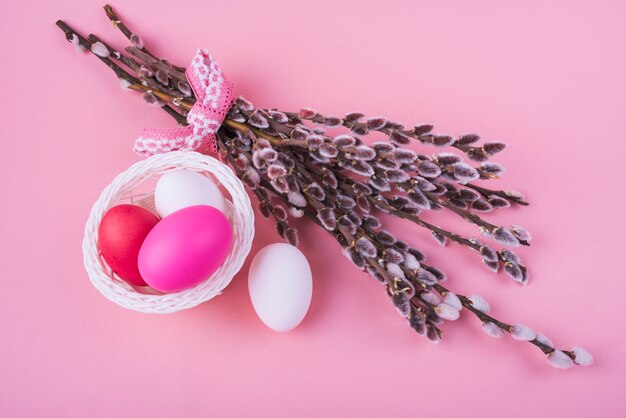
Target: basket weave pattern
[{"x": 121, "y": 190}]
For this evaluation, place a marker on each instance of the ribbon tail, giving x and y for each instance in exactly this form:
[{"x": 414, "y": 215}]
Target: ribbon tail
[{"x": 159, "y": 141}]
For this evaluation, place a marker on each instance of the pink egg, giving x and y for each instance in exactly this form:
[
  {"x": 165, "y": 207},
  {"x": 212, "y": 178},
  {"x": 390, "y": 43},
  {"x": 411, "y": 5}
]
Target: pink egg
[{"x": 185, "y": 248}]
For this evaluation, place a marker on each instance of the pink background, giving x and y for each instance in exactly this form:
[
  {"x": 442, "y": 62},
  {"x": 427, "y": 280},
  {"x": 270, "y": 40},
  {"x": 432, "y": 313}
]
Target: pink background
[{"x": 546, "y": 77}]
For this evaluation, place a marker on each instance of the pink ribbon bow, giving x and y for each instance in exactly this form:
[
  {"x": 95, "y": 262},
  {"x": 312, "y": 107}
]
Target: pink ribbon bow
[{"x": 214, "y": 95}]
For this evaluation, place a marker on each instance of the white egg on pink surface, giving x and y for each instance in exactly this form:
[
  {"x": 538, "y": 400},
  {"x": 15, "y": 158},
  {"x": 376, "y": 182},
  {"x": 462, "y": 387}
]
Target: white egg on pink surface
[
  {"x": 178, "y": 189},
  {"x": 281, "y": 286}
]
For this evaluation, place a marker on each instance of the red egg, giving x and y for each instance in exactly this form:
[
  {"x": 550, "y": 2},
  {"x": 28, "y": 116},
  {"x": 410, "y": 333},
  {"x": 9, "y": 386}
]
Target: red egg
[{"x": 122, "y": 231}]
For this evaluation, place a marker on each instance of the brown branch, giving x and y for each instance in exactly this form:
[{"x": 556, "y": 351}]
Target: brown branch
[{"x": 117, "y": 23}]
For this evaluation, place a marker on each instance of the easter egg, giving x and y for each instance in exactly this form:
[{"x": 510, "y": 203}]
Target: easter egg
[
  {"x": 280, "y": 286},
  {"x": 181, "y": 188},
  {"x": 122, "y": 231},
  {"x": 185, "y": 248}
]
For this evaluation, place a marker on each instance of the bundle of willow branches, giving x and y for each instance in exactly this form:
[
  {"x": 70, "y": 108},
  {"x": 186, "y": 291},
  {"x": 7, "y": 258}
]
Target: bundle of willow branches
[{"x": 306, "y": 164}]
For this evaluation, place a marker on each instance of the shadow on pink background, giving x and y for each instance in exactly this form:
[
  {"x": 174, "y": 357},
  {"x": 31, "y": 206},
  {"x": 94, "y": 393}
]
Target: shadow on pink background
[{"x": 546, "y": 77}]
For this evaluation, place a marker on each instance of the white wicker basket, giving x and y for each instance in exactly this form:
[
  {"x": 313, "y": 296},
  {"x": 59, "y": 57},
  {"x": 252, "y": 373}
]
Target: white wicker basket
[{"x": 125, "y": 189}]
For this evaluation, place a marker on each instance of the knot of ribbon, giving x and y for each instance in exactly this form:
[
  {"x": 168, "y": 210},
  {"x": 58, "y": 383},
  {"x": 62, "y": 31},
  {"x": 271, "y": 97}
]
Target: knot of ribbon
[{"x": 214, "y": 94}]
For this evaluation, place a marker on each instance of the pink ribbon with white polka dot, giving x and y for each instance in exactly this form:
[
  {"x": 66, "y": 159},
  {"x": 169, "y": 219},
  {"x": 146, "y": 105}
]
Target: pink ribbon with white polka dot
[{"x": 214, "y": 94}]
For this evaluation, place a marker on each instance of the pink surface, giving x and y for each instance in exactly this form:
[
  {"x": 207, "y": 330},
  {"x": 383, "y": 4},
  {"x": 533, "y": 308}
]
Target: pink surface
[{"x": 547, "y": 77}]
